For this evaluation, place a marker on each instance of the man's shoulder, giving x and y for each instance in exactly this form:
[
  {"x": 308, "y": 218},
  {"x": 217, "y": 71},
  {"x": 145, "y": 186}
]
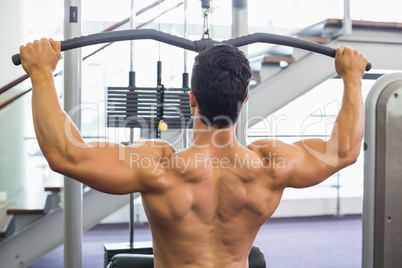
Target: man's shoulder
[
  {"x": 155, "y": 146},
  {"x": 267, "y": 146},
  {"x": 277, "y": 159}
]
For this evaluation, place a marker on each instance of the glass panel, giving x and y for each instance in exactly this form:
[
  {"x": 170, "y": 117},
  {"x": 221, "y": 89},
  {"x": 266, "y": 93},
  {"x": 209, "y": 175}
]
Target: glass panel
[{"x": 306, "y": 118}]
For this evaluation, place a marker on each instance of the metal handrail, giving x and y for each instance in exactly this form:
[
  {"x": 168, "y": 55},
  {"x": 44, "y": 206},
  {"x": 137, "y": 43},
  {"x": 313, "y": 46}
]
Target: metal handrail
[{"x": 13, "y": 83}]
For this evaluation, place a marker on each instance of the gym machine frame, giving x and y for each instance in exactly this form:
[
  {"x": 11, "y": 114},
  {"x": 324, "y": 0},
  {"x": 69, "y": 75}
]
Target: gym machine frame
[{"x": 382, "y": 218}]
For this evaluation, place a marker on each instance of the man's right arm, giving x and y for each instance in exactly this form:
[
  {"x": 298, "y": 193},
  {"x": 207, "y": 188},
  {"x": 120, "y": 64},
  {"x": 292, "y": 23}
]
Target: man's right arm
[{"x": 107, "y": 167}]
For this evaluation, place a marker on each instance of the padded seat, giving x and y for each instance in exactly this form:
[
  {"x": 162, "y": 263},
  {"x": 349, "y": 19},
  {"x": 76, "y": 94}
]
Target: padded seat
[
  {"x": 256, "y": 259},
  {"x": 132, "y": 261}
]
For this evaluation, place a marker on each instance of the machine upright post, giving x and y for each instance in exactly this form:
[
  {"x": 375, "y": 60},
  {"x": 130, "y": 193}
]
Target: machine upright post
[
  {"x": 73, "y": 194},
  {"x": 240, "y": 28}
]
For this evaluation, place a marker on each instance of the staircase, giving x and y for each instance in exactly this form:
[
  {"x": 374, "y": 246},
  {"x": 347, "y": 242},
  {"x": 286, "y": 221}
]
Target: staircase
[
  {"x": 268, "y": 63},
  {"x": 282, "y": 74},
  {"x": 30, "y": 206},
  {"x": 32, "y": 225},
  {"x": 7, "y": 222}
]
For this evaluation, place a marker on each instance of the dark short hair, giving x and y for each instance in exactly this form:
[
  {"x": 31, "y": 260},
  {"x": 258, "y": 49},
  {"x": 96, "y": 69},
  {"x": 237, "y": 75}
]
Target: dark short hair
[{"x": 220, "y": 79}]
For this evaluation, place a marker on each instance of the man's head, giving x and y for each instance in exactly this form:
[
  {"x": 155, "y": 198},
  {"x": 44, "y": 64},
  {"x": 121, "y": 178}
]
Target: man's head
[{"x": 219, "y": 82}]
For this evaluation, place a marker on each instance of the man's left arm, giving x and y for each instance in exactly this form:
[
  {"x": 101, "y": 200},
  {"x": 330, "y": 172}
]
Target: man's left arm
[{"x": 309, "y": 162}]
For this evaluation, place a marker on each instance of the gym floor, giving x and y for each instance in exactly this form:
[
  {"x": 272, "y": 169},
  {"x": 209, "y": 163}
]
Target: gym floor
[{"x": 308, "y": 242}]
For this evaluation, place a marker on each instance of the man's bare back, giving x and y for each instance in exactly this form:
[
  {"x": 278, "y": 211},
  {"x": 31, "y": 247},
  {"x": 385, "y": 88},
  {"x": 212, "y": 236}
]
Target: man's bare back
[
  {"x": 205, "y": 204},
  {"x": 208, "y": 206}
]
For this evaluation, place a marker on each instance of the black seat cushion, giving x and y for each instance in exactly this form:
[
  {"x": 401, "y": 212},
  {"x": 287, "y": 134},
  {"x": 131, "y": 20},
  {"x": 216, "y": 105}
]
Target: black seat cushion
[{"x": 256, "y": 259}]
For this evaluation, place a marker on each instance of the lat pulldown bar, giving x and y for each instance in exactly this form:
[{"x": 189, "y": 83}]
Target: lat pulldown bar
[{"x": 196, "y": 46}]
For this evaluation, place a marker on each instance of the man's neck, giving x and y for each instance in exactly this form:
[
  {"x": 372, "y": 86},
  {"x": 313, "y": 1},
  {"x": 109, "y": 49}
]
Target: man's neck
[{"x": 211, "y": 137}]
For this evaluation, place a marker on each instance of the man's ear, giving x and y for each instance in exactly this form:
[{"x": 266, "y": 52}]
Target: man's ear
[
  {"x": 193, "y": 101},
  {"x": 248, "y": 96}
]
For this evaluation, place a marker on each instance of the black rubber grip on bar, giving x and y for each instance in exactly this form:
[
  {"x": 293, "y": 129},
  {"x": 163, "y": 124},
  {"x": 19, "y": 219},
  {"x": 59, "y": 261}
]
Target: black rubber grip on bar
[
  {"x": 151, "y": 34},
  {"x": 16, "y": 59}
]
